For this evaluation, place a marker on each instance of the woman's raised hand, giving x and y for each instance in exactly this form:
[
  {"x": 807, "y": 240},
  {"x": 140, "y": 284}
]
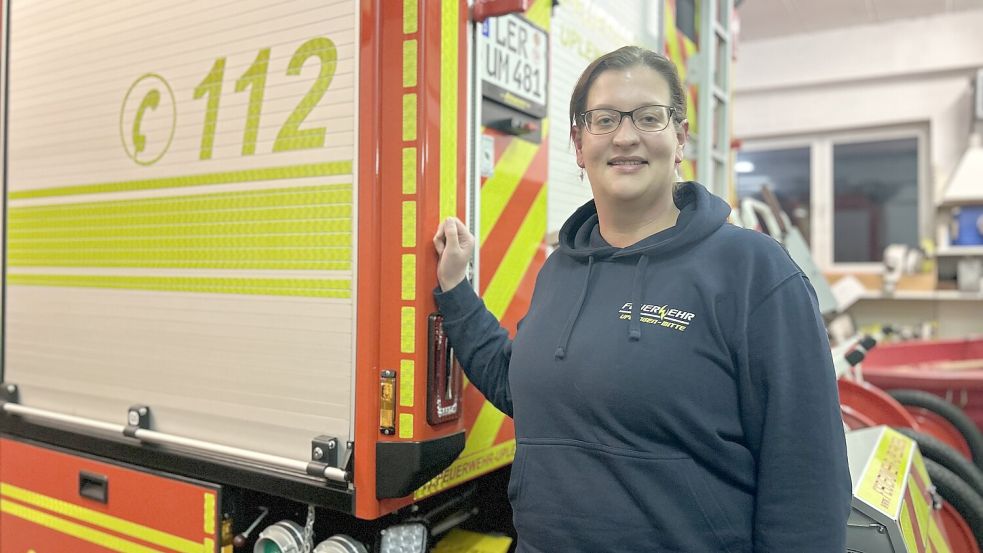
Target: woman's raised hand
[{"x": 454, "y": 245}]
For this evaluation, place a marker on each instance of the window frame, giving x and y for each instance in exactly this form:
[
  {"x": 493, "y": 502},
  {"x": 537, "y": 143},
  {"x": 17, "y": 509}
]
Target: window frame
[{"x": 821, "y": 189}]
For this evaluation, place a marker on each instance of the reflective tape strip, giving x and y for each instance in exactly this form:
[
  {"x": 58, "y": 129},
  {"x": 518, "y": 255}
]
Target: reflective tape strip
[
  {"x": 467, "y": 466},
  {"x": 501, "y": 289},
  {"x": 409, "y": 170},
  {"x": 406, "y": 426},
  {"x": 907, "y": 530},
  {"x": 228, "y": 177},
  {"x": 485, "y": 428},
  {"x": 938, "y": 541},
  {"x": 303, "y": 228},
  {"x": 408, "y": 271},
  {"x": 407, "y": 338},
  {"x": 498, "y": 189},
  {"x": 922, "y": 511},
  {"x": 209, "y": 513},
  {"x": 409, "y": 117},
  {"x": 410, "y": 16},
  {"x": 409, "y": 224},
  {"x": 672, "y": 41},
  {"x": 409, "y": 62},
  {"x": 449, "y": 59},
  {"x": 313, "y": 288},
  {"x": 539, "y": 13},
  {"x": 407, "y": 381},
  {"x": 89, "y": 516},
  {"x": 498, "y": 295}
]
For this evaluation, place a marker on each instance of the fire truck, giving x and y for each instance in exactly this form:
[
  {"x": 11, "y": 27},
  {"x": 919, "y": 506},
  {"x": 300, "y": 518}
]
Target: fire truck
[{"x": 218, "y": 326}]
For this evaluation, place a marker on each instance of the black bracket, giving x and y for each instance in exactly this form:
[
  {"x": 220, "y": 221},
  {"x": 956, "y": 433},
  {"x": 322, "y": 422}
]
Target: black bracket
[
  {"x": 9, "y": 393},
  {"x": 137, "y": 418},
  {"x": 324, "y": 453}
]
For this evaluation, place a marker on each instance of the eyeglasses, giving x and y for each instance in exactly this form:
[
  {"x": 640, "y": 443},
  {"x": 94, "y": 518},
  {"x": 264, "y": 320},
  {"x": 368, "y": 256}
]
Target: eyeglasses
[{"x": 652, "y": 118}]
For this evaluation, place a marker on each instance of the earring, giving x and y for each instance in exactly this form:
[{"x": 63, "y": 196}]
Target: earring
[{"x": 581, "y": 174}]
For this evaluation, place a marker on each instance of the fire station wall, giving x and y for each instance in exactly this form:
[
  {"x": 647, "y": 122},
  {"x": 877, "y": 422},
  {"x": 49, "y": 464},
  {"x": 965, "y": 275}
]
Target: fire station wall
[
  {"x": 582, "y": 30},
  {"x": 900, "y": 73}
]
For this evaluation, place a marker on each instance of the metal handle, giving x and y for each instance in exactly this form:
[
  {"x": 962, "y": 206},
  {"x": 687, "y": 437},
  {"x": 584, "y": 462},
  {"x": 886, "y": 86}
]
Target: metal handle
[
  {"x": 94, "y": 486},
  {"x": 150, "y": 436}
]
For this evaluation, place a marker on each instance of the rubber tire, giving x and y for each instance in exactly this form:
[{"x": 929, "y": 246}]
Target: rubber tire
[
  {"x": 958, "y": 494},
  {"x": 945, "y": 455},
  {"x": 950, "y": 412}
]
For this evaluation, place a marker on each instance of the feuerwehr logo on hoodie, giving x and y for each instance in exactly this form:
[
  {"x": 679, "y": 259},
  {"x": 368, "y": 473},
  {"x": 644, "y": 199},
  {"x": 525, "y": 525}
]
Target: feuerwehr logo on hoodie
[{"x": 659, "y": 315}]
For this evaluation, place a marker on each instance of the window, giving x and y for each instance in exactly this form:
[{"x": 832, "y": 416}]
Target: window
[
  {"x": 787, "y": 173},
  {"x": 850, "y": 195},
  {"x": 875, "y": 190}
]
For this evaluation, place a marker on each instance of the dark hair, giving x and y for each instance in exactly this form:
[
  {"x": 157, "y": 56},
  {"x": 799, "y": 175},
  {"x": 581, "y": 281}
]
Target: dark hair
[{"x": 623, "y": 58}]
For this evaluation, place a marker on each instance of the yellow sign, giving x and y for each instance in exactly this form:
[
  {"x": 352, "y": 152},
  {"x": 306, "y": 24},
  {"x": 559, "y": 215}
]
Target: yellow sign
[{"x": 882, "y": 486}]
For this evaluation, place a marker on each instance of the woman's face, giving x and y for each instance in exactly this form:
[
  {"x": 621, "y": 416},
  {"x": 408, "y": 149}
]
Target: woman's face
[{"x": 629, "y": 165}]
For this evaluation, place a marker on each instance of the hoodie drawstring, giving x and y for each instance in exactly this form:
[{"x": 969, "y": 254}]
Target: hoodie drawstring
[
  {"x": 635, "y": 324},
  {"x": 561, "y": 348}
]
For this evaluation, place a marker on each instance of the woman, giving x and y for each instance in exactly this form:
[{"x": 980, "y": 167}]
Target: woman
[{"x": 671, "y": 384}]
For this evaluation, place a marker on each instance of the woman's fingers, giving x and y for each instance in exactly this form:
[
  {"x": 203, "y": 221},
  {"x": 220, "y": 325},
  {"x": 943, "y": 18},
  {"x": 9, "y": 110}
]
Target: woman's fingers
[
  {"x": 451, "y": 233},
  {"x": 438, "y": 240}
]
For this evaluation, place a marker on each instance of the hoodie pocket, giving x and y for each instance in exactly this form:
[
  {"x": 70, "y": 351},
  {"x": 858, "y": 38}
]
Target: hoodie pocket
[{"x": 575, "y": 496}]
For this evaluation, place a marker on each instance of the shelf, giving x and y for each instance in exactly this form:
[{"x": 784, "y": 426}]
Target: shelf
[
  {"x": 960, "y": 251},
  {"x": 932, "y": 295}
]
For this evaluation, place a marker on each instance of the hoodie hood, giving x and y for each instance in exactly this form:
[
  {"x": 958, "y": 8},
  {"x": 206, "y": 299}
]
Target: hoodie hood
[{"x": 700, "y": 215}]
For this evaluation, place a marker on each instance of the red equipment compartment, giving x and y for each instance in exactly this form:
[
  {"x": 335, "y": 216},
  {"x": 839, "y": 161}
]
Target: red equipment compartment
[
  {"x": 52, "y": 502},
  {"x": 952, "y": 369}
]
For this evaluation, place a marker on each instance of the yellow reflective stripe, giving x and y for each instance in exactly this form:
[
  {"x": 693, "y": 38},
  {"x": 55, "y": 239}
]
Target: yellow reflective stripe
[
  {"x": 672, "y": 41},
  {"x": 466, "y": 466},
  {"x": 539, "y": 13},
  {"x": 104, "y": 521},
  {"x": 409, "y": 117},
  {"x": 499, "y": 188},
  {"x": 938, "y": 541},
  {"x": 408, "y": 271},
  {"x": 245, "y": 258},
  {"x": 409, "y": 224},
  {"x": 86, "y": 246},
  {"x": 409, "y": 62},
  {"x": 922, "y": 510},
  {"x": 209, "y": 513},
  {"x": 239, "y": 228},
  {"x": 300, "y": 196},
  {"x": 227, "y": 177},
  {"x": 406, "y": 426},
  {"x": 407, "y": 341},
  {"x": 315, "y": 288},
  {"x": 907, "y": 530},
  {"x": 501, "y": 289},
  {"x": 485, "y": 428},
  {"x": 449, "y": 15},
  {"x": 409, "y": 170},
  {"x": 410, "y": 11},
  {"x": 302, "y": 228},
  {"x": 519, "y": 255},
  {"x": 406, "y": 382}
]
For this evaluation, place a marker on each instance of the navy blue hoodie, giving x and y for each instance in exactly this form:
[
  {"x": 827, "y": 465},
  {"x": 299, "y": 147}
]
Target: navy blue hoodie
[{"x": 674, "y": 395}]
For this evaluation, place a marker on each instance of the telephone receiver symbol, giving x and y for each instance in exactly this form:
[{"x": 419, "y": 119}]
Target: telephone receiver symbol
[{"x": 150, "y": 101}]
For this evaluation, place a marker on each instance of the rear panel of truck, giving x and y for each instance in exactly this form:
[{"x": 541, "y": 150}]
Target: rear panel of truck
[{"x": 181, "y": 215}]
